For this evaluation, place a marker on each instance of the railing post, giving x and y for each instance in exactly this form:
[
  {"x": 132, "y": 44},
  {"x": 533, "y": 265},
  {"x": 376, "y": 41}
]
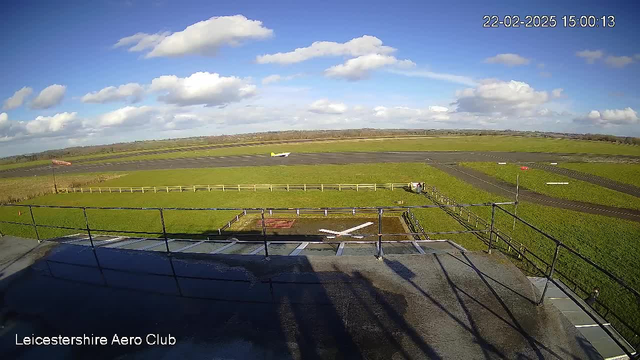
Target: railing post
[
  {"x": 380, "y": 234},
  {"x": 86, "y": 221},
  {"x": 264, "y": 236},
  {"x": 493, "y": 217},
  {"x": 322, "y": 187},
  {"x": 164, "y": 232},
  {"x": 33, "y": 221},
  {"x": 550, "y": 276}
]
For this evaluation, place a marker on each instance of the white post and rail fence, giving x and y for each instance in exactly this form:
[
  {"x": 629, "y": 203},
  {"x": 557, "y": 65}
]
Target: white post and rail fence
[{"x": 236, "y": 188}]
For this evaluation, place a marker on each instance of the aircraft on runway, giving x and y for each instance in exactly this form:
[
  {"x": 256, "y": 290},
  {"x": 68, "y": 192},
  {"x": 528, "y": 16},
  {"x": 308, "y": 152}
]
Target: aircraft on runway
[
  {"x": 346, "y": 232},
  {"x": 280, "y": 154}
]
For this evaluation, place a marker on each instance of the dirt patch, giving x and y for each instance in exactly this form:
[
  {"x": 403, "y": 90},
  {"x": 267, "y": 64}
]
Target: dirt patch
[{"x": 309, "y": 228}]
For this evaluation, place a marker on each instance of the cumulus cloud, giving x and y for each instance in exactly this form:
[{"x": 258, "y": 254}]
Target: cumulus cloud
[
  {"x": 618, "y": 61},
  {"x": 360, "y": 68},
  {"x": 131, "y": 92},
  {"x": 607, "y": 118},
  {"x": 508, "y": 59},
  {"x": 202, "y": 38},
  {"x": 126, "y": 116},
  {"x": 51, "y": 124},
  {"x": 17, "y": 99},
  {"x": 590, "y": 55},
  {"x": 275, "y": 78},
  {"x": 355, "y": 47},
  {"x": 494, "y": 96},
  {"x": 557, "y": 93},
  {"x": 49, "y": 97},
  {"x": 9, "y": 130},
  {"x": 202, "y": 88},
  {"x": 324, "y": 106}
]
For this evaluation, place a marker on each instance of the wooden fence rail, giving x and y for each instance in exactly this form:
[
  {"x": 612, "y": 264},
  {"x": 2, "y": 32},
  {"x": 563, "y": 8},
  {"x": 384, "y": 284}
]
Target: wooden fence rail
[{"x": 237, "y": 187}]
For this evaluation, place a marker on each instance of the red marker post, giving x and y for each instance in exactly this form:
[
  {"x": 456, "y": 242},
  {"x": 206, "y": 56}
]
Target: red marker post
[{"x": 55, "y": 162}]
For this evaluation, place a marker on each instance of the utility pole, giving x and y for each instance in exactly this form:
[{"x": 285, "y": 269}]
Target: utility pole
[
  {"x": 53, "y": 172},
  {"x": 515, "y": 210}
]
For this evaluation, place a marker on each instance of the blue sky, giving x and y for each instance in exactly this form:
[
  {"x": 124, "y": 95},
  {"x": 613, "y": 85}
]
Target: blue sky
[{"x": 199, "y": 68}]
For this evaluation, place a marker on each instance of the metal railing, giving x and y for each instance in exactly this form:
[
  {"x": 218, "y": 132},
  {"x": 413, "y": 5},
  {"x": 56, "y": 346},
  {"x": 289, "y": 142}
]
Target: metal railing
[
  {"x": 548, "y": 268},
  {"x": 379, "y": 211},
  {"x": 462, "y": 211},
  {"x": 235, "y": 187}
]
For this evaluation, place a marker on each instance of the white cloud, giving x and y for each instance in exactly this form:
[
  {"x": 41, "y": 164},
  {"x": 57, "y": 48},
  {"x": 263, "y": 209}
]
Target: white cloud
[
  {"x": 4, "y": 118},
  {"x": 51, "y": 124},
  {"x": 590, "y": 55},
  {"x": 608, "y": 118},
  {"x": 202, "y": 88},
  {"x": 458, "y": 79},
  {"x": 202, "y": 38},
  {"x": 508, "y": 59},
  {"x": 275, "y": 78},
  {"x": 355, "y": 47},
  {"x": 126, "y": 116},
  {"x": 131, "y": 92},
  {"x": 324, "y": 106},
  {"x": 360, "y": 68},
  {"x": 494, "y": 96},
  {"x": 49, "y": 97},
  {"x": 557, "y": 93},
  {"x": 618, "y": 61},
  {"x": 17, "y": 99}
]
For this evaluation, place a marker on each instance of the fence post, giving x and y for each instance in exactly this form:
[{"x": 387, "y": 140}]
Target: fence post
[
  {"x": 305, "y": 187},
  {"x": 550, "y": 276},
  {"x": 33, "y": 221},
  {"x": 271, "y": 187},
  {"x": 322, "y": 187},
  {"x": 120, "y": 190},
  {"x": 264, "y": 236},
  {"x": 238, "y": 187},
  {"x": 254, "y": 187},
  {"x": 375, "y": 187},
  {"x": 209, "y": 188},
  {"x": 380, "y": 234},
  {"x": 357, "y": 187},
  {"x": 493, "y": 216},
  {"x": 164, "y": 232},
  {"x": 222, "y": 187},
  {"x": 391, "y": 186},
  {"x": 86, "y": 221},
  {"x": 155, "y": 190},
  {"x": 339, "y": 187}
]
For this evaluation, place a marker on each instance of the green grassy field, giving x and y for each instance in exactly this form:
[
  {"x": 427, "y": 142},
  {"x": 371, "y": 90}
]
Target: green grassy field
[
  {"x": 461, "y": 143},
  {"x": 610, "y": 242},
  {"x": 535, "y": 180},
  {"x": 15, "y": 189},
  {"x": 624, "y": 173}
]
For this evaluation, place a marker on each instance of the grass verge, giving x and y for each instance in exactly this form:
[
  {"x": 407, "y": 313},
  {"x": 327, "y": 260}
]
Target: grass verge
[{"x": 536, "y": 180}]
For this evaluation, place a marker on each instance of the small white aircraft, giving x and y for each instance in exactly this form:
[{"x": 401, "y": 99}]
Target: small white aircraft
[
  {"x": 280, "y": 154},
  {"x": 346, "y": 232}
]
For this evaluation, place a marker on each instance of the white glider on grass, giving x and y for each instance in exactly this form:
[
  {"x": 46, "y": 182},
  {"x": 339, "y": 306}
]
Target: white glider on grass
[
  {"x": 346, "y": 232},
  {"x": 280, "y": 154}
]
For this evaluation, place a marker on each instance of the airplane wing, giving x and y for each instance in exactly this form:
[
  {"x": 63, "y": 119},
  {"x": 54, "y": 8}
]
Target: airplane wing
[{"x": 356, "y": 228}]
